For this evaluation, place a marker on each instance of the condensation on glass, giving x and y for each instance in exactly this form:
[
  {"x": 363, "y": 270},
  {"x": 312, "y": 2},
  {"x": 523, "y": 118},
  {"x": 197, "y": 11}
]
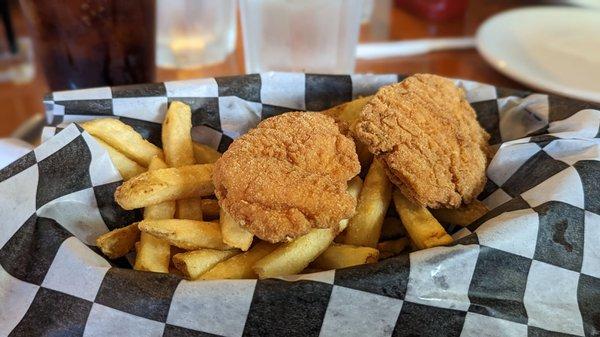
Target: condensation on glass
[{"x": 311, "y": 35}]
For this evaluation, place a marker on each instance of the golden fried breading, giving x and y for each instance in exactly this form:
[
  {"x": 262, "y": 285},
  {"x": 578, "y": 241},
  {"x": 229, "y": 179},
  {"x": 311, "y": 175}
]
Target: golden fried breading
[
  {"x": 429, "y": 139},
  {"x": 288, "y": 175}
]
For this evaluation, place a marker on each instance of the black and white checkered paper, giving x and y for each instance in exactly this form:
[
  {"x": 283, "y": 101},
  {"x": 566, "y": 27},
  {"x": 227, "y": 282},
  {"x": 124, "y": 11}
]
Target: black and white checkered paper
[{"x": 531, "y": 267}]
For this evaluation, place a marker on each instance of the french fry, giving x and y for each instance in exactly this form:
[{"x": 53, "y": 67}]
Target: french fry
[
  {"x": 123, "y": 138},
  {"x": 355, "y": 185},
  {"x": 347, "y": 114},
  {"x": 118, "y": 242},
  {"x": 164, "y": 210},
  {"x": 154, "y": 254},
  {"x": 190, "y": 209},
  {"x": 186, "y": 234},
  {"x": 195, "y": 263},
  {"x": 462, "y": 216},
  {"x": 391, "y": 229},
  {"x": 364, "y": 227},
  {"x": 205, "y": 154},
  {"x": 394, "y": 247},
  {"x": 154, "y": 187},
  {"x": 422, "y": 228},
  {"x": 240, "y": 266},
  {"x": 210, "y": 208},
  {"x": 342, "y": 256},
  {"x": 176, "y": 135},
  {"x": 293, "y": 257},
  {"x": 178, "y": 150},
  {"x": 126, "y": 167},
  {"x": 233, "y": 234}
]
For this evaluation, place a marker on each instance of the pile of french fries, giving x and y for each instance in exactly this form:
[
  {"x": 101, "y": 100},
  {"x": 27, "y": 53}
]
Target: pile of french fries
[{"x": 185, "y": 232}]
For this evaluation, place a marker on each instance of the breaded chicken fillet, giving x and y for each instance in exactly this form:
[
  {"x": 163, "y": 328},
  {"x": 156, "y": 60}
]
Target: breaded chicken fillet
[
  {"x": 287, "y": 176},
  {"x": 428, "y": 137}
]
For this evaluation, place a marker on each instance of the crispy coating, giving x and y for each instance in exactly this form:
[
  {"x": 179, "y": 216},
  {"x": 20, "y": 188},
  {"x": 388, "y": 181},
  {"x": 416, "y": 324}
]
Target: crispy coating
[
  {"x": 429, "y": 139},
  {"x": 288, "y": 175}
]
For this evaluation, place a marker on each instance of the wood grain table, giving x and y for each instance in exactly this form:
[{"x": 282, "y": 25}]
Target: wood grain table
[{"x": 18, "y": 102}]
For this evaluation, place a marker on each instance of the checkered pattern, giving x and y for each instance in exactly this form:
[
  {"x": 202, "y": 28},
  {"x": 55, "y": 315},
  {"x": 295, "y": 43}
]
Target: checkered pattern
[{"x": 530, "y": 267}]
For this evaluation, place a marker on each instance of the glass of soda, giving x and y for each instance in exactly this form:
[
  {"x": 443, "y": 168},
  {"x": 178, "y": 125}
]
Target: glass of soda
[{"x": 90, "y": 43}]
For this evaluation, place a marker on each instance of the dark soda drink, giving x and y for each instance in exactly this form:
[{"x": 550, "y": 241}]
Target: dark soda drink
[{"x": 89, "y": 43}]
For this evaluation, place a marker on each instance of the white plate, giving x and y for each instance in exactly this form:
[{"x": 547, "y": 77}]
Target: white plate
[{"x": 555, "y": 49}]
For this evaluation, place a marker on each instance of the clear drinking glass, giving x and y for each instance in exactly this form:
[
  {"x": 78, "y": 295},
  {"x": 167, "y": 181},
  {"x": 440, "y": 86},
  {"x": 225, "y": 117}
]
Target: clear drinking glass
[
  {"x": 300, "y": 35},
  {"x": 194, "y": 33}
]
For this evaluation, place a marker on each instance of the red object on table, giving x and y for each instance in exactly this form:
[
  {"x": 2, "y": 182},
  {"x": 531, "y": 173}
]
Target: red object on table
[{"x": 438, "y": 10}]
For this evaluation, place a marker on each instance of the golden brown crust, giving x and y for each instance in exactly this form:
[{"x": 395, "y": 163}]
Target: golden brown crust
[
  {"x": 288, "y": 175},
  {"x": 429, "y": 139}
]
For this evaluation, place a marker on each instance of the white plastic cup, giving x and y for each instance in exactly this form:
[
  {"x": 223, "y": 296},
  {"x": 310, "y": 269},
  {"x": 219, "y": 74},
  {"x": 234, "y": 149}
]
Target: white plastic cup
[
  {"x": 313, "y": 36},
  {"x": 194, "y": 33}
]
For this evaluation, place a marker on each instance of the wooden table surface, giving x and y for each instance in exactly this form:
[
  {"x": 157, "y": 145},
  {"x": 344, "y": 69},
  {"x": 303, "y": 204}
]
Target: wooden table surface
[{"x": 18, "y": 102}]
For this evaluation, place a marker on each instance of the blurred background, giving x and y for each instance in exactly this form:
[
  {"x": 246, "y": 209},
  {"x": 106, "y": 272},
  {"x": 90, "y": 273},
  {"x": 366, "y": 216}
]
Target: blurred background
[{"x": 49, "y": 45}]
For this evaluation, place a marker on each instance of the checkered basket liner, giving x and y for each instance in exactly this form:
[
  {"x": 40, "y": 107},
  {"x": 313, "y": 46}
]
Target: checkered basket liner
[{"x": 530, "y": 267}]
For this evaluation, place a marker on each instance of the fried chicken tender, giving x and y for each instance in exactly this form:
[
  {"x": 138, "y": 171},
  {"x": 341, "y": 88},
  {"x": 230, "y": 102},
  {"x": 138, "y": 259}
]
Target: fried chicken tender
[
  {"x": 287, "y": 176},
  {"x": 428, "y": 137}
]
